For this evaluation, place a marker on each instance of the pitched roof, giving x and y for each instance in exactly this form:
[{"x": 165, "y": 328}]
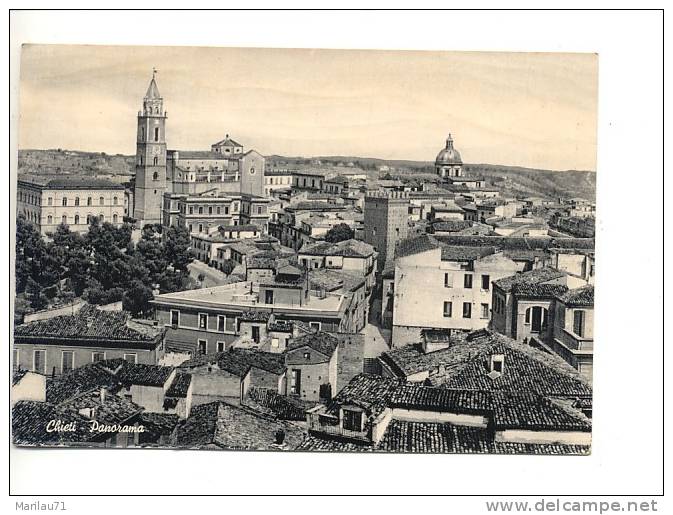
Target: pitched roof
[
  {"x": 76, "y": 182},
  {"x": 580, "y": 297},
  {"x": 450, "y": 253},
  {"x": 144, "y": 375},
  {"x": 80, "y": 380},
  {"x": 92, "y": 325},
  {"x": 346, "y": 248},
  {"x": 239, "y": 361},
  {"x": 180, "y": 385},
  {"x": 526, "y": 369},
  {"x": 529, "y": 279},
  {"x": 432, "y": 437},
  {"x": 228, "y": 141},
  {"x": 29, "y": 424},
  {"x": 114, "y": 409},
  {"x": 416, "y": 245},
  {"x": 320, "y": 341},
  {"x": 520, "y": 243},
  {"x": 235, "y": 427}
]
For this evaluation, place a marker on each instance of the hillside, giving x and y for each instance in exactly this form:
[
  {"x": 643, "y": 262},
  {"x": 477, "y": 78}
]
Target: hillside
[{"x": 511, "y": 180}]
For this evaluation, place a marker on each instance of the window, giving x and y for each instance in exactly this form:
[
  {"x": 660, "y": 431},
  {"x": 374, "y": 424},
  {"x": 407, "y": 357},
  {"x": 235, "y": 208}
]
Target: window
[
  {"x": 219, "y": 210},
  {"x": 191, "y": 228},
  {"x": 155, "y": 162},
  {"x": 448, "y": 308},
  {"x": 131, "y": 358},
  {"x": 259, "y": 210},
  {"x": 274, "y": 343},
  {"x": 485, "y": 282},
  {"x": 115, "y": 200},
  {"x": 88, "y": 201},
  {"x": 352, "y": 420},
  {"x": 295, "y": 381},
  {"x": 221, "y": 323},
  {"x": 200, "y": 228},
  {"x": 97, "y": 356},
  {"x": 191, "y": 210},
  {"x": 50, "y": 201},
  {"x": 578, "y": 322},
  {"x": 220, "y": 346},
  {"x": 230, "y": 324},
  {"x": 64, "y": 201},
  {"x": 315, "y": 326},
  {"x": 115, "y": 218},
  {"x": 467, "y": 310},
  {"x": 226, "y": 210},
  {"x": 40, "y": 361},
  {"x": 76, "y": 219},
  {"x": 210, "y": 210},
  {"x": 77, "y": 201},
  {"x": 67, "y": 361},
  {"x": 156, "y": 134},
  {"x": 175, "y": 317},
  {"x": 467, "y": 281},
  {"x": 203, "y": 346},
  {"x": 50, "y": 219},
  {"x": 101, "y": 201},
  {"x": 101, "y": 217},
  {"x": 484, "y": 310},
  {"x": 203, "y": 321},
  {"x": 64, "y": 219},
  {"x": 307, "y": 355},
  {"x": 448, "y": 280},
  {"x": 200, "y": 210}
]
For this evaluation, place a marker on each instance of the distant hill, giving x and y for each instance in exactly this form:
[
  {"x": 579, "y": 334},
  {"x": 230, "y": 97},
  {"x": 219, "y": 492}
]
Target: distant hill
[
  {"x": 511, "y": 180},
  {"x": 74, "y": 162}
]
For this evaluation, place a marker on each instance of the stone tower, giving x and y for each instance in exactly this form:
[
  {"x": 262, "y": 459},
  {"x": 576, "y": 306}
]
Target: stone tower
[
  {"x": 386, "y": 223},
  {"x": 150, "y": 157}
]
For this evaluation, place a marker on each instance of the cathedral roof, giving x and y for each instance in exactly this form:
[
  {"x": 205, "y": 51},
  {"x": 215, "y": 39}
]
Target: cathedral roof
[
  {"x": 449, "y": 155},
  {"x": 153, "y": 90}
]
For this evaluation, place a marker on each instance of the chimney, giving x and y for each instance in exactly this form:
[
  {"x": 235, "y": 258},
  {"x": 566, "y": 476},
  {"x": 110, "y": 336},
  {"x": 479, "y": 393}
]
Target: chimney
[
  {"x": 103, "y": 395},
  {"x": 497, "y": 365}
]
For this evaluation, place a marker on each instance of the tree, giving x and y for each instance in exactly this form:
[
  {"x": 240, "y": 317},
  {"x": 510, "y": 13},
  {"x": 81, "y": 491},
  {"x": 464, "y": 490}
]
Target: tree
[
  {"x": 339, "y": 232},
  {"x": 173, "y": 280},
  {"x": 136, "y": 299},
  {"x": 34, "y": 294},
  {"x": 177, "y": 247}
]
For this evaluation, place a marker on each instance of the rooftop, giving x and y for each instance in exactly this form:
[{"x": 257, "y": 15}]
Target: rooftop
[
  {"x": 69, "y": 183},
  {"x": 239, "y": 361},
  {"x": 532, "y": 281},
  {"x": 235, "y": 427},
  {"x": 346, "y": 248},
  {"x": 91, "y": 325},
  {"x": 580, "y": 297},
  {"x": 321, "y": 342}
]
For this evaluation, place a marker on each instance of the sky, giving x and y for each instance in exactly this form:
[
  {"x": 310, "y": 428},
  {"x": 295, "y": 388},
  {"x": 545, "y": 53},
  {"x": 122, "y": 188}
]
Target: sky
[{"x": 535, "y": 110}]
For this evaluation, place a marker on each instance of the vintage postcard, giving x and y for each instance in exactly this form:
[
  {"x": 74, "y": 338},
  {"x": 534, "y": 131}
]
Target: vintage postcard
[{"x": 304, "y": 250}]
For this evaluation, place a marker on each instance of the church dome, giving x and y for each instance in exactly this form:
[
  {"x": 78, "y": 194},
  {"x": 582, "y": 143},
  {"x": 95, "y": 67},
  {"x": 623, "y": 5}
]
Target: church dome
[{"x": 448, "y": 155}]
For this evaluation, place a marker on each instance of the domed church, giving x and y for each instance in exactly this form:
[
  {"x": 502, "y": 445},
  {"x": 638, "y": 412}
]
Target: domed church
[{"x": 448, "y": 162}]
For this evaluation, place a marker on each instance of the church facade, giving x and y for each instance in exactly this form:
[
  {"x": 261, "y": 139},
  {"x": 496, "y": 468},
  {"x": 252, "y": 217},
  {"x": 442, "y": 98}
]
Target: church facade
[{"x": 224, "y": 170}]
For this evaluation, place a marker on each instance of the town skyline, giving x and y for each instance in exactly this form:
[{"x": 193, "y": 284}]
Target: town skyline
[{"x": 556, "y": 132}]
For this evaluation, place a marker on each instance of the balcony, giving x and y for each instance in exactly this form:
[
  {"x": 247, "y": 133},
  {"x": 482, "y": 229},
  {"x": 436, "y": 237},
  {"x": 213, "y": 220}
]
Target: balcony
[
  {"x": 330, "y": 425},
  {"x": 574, "y": 343}
]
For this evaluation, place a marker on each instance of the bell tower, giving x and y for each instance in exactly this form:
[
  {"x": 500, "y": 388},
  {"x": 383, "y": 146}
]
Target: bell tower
[{"x": 150, "y": 157}]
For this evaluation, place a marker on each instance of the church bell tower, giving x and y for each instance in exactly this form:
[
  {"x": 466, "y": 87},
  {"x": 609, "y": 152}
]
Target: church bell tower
[{"x": 150, "y": 157}]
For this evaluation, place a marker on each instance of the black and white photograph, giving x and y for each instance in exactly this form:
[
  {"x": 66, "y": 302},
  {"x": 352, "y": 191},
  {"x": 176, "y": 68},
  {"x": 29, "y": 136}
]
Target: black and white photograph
[{"x": 307, "y": 250}]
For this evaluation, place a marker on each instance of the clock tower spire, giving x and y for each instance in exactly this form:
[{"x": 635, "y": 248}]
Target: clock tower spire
[{"x": 150, "y": 182}]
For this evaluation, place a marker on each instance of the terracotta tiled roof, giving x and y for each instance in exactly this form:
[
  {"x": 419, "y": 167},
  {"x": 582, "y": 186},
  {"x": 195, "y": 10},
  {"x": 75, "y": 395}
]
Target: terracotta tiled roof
[
  {"x": 521, "y": 243},
  {"x": 234, "y": 427},
  {"x": 416, "y": 245},
  {"x": 91, "y": 325},
  {"x": 526, "y": 369},
  {"x": 239, "y": 361},
  {"x": 531, "y": 278},
  {"x": 80, "y": 380},
  {"x": 144, "y": 375},
  {"x": 580, "y": 297},
  {"x": 114, "y": 409},
  {"x": 430, "y": 437},
  {"x": 180, "y": 385},
  {"x": 29, "y": 424},
  {"x": 72, "y": 183},
  {"x": 283, "y": 407},
  {"x": 346, "y": 248},
  {"x": 450, "y": 253},
  {"x": 321, "y": 342}
]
